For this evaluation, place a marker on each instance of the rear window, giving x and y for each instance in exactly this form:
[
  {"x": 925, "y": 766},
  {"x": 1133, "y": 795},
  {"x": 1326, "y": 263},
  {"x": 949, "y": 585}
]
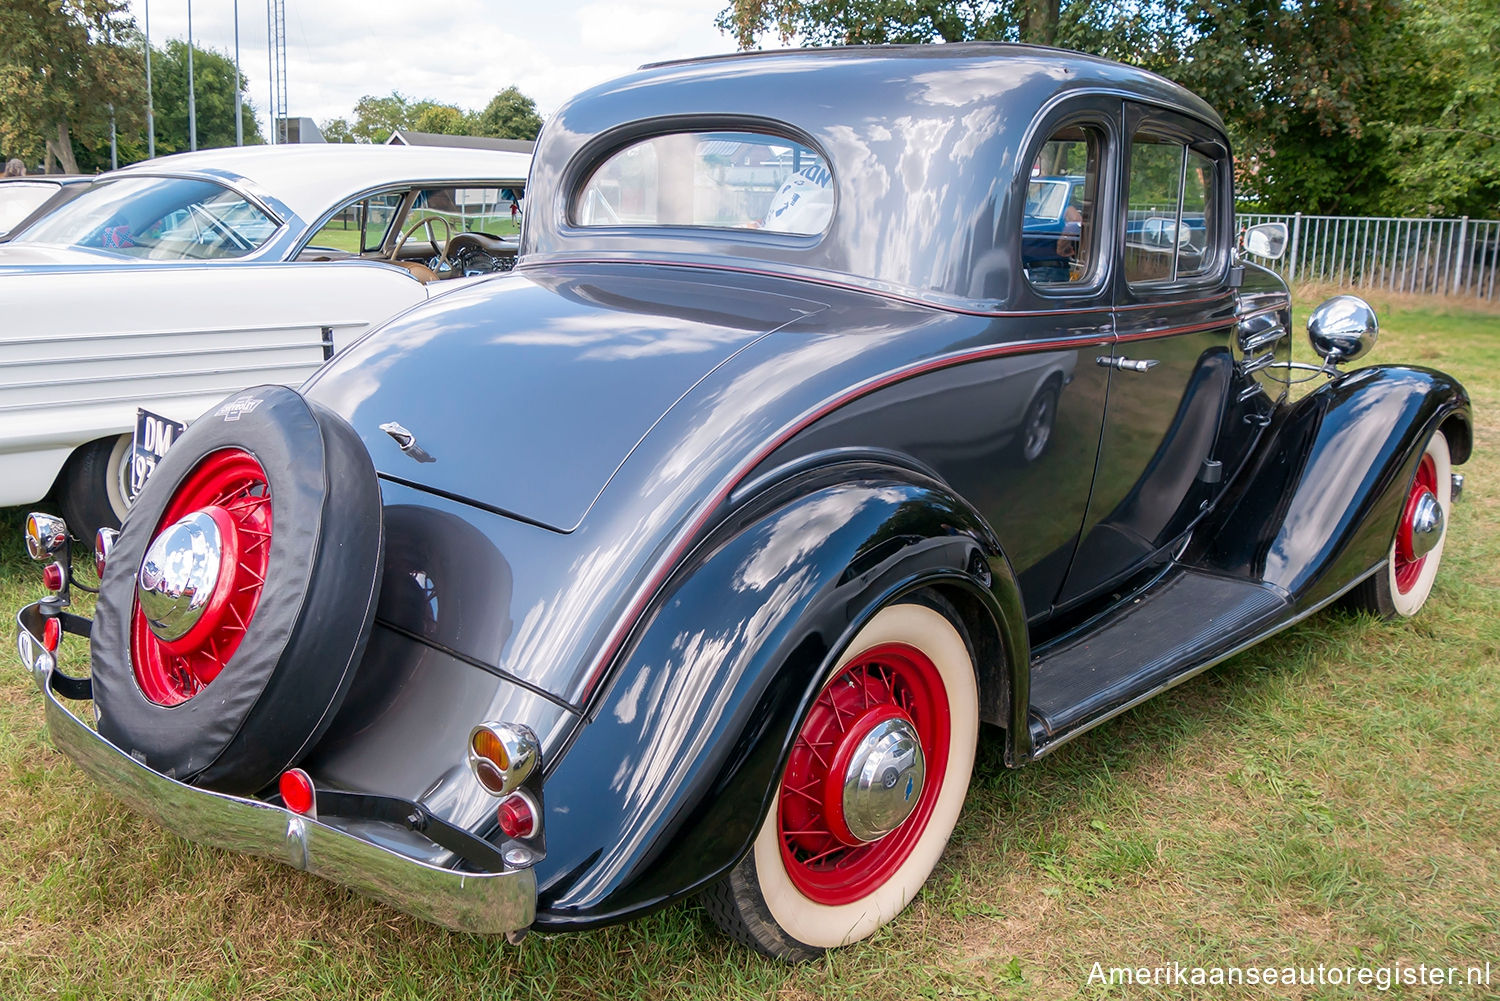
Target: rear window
[{"x": 721, "y": 180}]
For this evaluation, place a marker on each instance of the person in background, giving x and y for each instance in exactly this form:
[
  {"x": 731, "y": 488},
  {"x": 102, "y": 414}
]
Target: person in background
[{"x": 15, "y": 167}]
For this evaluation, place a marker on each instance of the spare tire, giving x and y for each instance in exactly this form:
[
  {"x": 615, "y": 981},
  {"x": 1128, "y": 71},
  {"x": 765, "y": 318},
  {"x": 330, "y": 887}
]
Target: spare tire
[{"x": 238, "y": 598}]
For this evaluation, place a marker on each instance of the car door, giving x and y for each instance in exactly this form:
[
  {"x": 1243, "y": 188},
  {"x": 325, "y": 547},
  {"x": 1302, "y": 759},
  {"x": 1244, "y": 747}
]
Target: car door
[{"x": 1171, "y": 370}]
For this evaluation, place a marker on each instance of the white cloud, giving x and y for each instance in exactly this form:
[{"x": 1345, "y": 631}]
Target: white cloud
[{"x": 460, "y": 52}]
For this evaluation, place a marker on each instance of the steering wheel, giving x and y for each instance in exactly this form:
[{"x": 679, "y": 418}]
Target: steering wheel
[{"x": 438, "y": 252}]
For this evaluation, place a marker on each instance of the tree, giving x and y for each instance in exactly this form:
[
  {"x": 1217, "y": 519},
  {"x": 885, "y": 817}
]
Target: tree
[
  {"x": 1446, "y": 137},
  {"x": 509, "y": 115},
  {"x": 213, "y": 92},
  {"x": 445, "y": 119},
  {"x": 64, "y": 64}
]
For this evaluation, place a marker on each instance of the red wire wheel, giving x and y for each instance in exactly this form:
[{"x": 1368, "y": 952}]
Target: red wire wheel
[
  {"x": 1408, "y": 567},
  {"x": 231, "y": 487},
  {"x": 816, "y": 879},
  {"x": 827, "y": 863}
]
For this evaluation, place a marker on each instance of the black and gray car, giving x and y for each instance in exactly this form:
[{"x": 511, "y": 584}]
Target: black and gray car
[{"x": 690, "y": 557}]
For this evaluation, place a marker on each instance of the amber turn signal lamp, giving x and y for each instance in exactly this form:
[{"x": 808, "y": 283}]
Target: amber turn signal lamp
[
  {"x": 502, "y": 756},
  {"x": 298, "y": 794},
  {"x": 46, "y": 536}
]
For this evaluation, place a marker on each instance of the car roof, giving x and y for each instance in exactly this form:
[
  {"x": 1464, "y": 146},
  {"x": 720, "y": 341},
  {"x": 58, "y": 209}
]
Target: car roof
[
  {"x": 924, "y": 144},
  {"x": 309, "y": 179},
  {"x": 1070, "y": 69}
]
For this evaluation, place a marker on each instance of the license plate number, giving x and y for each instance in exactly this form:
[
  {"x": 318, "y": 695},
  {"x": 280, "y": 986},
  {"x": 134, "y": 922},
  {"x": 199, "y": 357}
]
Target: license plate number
[{"x": 154, "y": 434}]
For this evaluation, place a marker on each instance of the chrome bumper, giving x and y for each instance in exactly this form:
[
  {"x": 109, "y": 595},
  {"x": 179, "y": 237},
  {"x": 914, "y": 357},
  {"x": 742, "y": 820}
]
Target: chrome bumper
[{"x": 484, "y": 902}]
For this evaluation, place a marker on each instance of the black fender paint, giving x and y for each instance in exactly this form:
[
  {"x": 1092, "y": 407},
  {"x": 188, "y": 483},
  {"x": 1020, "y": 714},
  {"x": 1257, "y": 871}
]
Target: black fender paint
[
  {"x": 1318, "y": 504},
  {"x": 681, "y": 756}
]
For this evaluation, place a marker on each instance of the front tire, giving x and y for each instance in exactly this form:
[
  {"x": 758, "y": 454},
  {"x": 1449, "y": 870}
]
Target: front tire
[
  {"x": 815, "y": 879},
  {"x": 1399, "y": 589}
]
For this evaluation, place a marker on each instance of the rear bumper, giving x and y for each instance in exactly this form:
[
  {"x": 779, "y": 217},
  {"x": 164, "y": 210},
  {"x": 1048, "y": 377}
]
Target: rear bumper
[{"x": 481, "y": 902}]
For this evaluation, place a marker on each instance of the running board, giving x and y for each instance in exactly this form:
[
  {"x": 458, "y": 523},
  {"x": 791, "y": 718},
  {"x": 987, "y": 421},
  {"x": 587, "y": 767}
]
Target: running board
[{"x": 1183, "y": 623}]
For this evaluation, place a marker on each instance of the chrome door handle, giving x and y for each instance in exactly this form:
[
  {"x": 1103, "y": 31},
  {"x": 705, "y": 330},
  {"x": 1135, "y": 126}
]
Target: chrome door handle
[{"x": 1127, "y": 364}]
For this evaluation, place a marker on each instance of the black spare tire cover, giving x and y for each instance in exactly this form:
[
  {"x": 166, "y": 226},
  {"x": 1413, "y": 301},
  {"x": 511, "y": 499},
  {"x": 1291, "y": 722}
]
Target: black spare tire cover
[{"x": 298, "y": 654}]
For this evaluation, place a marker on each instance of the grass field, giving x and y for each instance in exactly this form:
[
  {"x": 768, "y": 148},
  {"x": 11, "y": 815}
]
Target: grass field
[{"x": 1329, "y": 797}]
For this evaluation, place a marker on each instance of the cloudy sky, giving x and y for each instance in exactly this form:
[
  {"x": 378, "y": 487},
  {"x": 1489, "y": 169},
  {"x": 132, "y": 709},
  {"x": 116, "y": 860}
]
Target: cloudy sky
[{"x": 456, "y": 51}]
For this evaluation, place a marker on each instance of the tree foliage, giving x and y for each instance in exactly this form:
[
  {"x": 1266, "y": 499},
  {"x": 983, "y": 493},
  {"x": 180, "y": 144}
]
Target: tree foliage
[
  {"x": 1350, "y": 106},
  {"x": 509, "y": 115},
  {"x": 213, "y": 92},
  {"x": 64, "y": 64}
]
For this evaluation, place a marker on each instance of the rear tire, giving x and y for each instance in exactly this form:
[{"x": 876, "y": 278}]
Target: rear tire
[
  {"x": 95, "y": 486},
  {"x": 804, "y": 888},
  {"x": 1401, "y": 587}
]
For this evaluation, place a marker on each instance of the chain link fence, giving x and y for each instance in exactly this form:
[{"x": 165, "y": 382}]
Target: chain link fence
[{"x": 1457, "y": 257}]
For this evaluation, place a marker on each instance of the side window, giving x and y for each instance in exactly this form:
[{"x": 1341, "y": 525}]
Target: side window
[
  {"x": 1059, "y": 225},
  {"x": 1170, "y": 218},
  {"x": 360, "y": 225}
]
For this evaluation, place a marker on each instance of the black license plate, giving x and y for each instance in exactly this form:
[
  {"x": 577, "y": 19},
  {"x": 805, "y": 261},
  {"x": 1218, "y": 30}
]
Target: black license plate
[{"x": 154, "y": 434}]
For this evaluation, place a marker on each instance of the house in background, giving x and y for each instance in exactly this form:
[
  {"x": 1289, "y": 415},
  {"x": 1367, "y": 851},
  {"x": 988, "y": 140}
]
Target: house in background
[{"x": 406, "y": 137}]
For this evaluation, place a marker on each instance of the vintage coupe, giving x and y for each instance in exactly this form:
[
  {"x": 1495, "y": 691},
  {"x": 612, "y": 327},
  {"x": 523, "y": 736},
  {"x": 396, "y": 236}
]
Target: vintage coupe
[
  {"x": 690, "y": 557},
  {"x": 172, "y": 282}
]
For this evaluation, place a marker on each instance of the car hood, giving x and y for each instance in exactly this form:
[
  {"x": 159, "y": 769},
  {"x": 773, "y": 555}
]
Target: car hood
[{"x": 524, "y": 394}]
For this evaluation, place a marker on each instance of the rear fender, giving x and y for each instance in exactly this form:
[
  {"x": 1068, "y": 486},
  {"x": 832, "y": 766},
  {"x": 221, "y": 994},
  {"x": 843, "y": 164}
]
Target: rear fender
[
  {"x": 664, "y": 789},
  {"x": 1318, "y": 504}
]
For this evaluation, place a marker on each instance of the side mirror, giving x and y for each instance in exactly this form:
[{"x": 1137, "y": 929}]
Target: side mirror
[
  {"x": 1267, "y": 240},
  {"x": 1343, "y": 329}
]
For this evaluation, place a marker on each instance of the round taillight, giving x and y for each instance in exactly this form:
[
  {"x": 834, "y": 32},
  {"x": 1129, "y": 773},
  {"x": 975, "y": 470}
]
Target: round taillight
[
  {"x": 104, "y": 541},
  {"x": 52, "y": 576},
  {"x": 502, "y": 756},
  {"x": 297, "y": 791},
  {"x": 517, "y": 815},
  {"x": 52, "y": 634}
]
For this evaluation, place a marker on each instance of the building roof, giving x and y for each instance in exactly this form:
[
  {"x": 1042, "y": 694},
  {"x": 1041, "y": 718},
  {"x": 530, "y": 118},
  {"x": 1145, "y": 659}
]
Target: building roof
[
  {"x": 406, "y": 137},
  {"x": 308, "y": 180}
]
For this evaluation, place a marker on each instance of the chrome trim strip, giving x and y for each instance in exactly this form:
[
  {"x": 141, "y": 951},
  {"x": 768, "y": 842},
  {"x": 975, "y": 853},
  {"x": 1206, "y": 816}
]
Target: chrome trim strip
[
  {"x": 479, "y": 902},
  {"x": 191, "y": 373},
  {"x": 269, "y": 328}
]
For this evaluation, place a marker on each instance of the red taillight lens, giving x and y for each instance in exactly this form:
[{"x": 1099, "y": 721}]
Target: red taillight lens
[
  {"x": 104, "y": 541},
  {"x": 297, "y": 791},
  {"x": 52, "y": 634},
  {"x": 52, "y": 576},
  {"x": 517, "y": 816}
]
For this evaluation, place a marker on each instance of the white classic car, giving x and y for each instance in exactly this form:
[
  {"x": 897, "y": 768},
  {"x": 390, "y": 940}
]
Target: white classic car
[{"x": 171, "y": 283}]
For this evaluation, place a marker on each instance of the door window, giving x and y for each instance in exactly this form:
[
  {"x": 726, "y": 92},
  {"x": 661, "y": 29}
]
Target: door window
[
  {"x": 1169, "y": 225},
  {"x": 359, "y": 226},
  {"x": 1059, "y": 225}
]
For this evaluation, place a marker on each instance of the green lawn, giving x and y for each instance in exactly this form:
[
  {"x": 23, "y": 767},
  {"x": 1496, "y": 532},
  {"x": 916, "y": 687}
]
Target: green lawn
[{"x": 1332, "y": 796}]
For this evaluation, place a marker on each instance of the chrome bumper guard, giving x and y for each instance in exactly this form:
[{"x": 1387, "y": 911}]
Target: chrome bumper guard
[{"x": 482, "y": 902}]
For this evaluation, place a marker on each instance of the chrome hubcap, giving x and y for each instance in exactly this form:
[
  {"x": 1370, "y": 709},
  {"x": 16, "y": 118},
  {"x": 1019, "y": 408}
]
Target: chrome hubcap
[
  {"x": 1426, "y": 525},
  {"x": 179, "y": 575},
  {"x": 884, "y": 780}
]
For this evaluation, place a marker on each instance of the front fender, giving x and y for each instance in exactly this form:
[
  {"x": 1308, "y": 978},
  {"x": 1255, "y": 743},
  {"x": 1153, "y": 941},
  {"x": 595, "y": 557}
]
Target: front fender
[
  {"x": 1317, "y": 507},
  {"x": 664, "y": 789}
]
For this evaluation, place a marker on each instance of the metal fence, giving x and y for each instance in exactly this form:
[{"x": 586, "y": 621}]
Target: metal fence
[{"x": 1423, "y": 256}]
